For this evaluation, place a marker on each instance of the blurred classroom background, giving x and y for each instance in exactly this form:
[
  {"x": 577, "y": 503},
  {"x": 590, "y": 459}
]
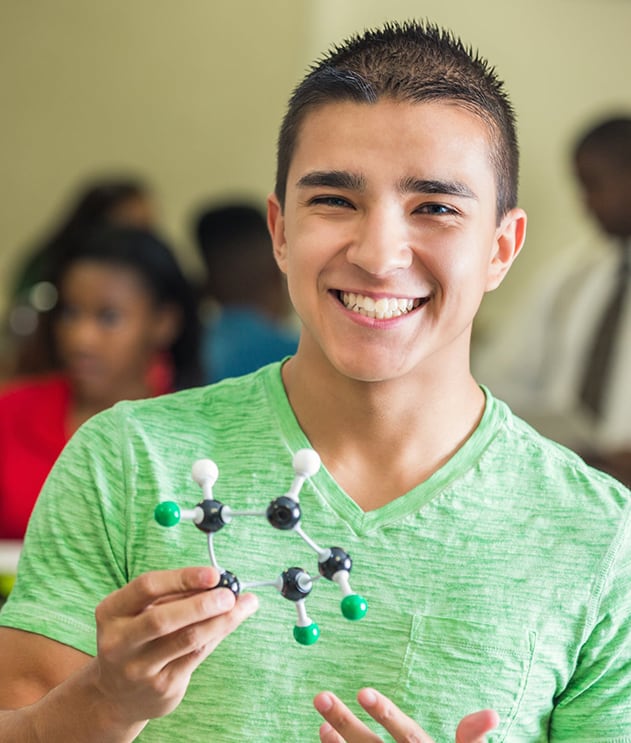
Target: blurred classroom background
[{"x": 189, "y": 95}]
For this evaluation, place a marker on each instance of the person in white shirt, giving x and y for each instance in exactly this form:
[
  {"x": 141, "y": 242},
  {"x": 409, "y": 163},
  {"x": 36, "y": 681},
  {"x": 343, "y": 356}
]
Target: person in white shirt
[{"x": 564, "y": 365}]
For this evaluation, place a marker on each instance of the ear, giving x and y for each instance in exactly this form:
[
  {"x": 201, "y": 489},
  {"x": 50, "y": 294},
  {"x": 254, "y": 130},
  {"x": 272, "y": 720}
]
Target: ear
[
  {"x": 276, "y": 226},
  {"x": 166, "y": 325},
  {"x": 509, "y": 239}
]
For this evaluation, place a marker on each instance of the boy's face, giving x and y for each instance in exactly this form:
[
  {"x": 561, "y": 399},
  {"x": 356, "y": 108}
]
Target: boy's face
[{"x": 389, "y": 237}]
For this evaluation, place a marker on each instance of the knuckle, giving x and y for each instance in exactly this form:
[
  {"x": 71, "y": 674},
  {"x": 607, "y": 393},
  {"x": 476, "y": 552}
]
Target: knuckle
[
  {"x": 390, "y": 717},
  {"x": 341, "y": 720},
  {"x": 384, "y": 713},
  {"x": 231, "y": 621},
  {"x": 413, "y": 736},
  {"x": 134, "y": 672},
  {"x": 190, "y": 639},
  {"x": 160, "y": 684},
  {"x": 100, "y": 613},
  {"x": 155, "y": 624},
  {"x": 107, "y": 647},
  {"x": 206, "y": 603},
  {"x": 145, "y": 584}
]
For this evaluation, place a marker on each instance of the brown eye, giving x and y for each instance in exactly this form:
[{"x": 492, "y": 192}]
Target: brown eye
[
  {"x": 109, "y": 317},
  {"x": 336, "y": 201},
  {"x": 438, "y": 209}
]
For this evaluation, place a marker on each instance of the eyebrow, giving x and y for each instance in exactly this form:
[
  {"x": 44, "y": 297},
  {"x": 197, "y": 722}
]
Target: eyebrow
[
  {"x": 354, "y": 182},
  {"x": 422, "y": 185},
  {"x": 333, "y": 179}
]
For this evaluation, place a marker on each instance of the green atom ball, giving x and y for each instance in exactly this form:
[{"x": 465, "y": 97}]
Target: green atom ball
[
  {"x": 306, "y": 635},
  {"x": 354, "y": 607},
  {"x": 167, "y": 513}
]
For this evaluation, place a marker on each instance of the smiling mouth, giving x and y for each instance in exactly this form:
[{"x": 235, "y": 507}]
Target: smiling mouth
[{"x": 383, "y": 308}]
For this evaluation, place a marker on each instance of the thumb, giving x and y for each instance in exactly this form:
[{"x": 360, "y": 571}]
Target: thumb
[{"x": 473, "y": 728}]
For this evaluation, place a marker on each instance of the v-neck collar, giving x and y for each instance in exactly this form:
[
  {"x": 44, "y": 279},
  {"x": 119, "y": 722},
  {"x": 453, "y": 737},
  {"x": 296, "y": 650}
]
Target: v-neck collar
[{"x": 363, "y": 522}]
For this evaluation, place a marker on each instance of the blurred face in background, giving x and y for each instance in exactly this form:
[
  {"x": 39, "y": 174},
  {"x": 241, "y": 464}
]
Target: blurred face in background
[
  {"x": 606, "y": 186},
  {"x": 107, "y": 330}
]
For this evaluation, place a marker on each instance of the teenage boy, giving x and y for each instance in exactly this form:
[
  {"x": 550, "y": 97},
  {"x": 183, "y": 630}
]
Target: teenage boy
[{"x": 496, "y": 564}]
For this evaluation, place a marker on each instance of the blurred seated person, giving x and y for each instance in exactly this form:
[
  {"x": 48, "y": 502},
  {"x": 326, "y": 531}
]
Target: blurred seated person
[
  {"x": 564, "y": 364},
  {"x": 108, "y": 200},
  {"x": 125, "y": 327},
  {"x": 249, "y": 321}
]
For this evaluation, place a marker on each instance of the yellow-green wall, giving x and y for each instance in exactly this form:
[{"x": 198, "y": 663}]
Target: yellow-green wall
[{"x": 189, "y": 93}]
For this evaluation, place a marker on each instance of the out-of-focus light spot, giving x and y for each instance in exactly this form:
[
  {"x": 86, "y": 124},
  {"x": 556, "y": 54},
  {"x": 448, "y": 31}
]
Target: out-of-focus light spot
[
  {"x": 23, "y": 320},
  {"x": 43, "y": 296}
]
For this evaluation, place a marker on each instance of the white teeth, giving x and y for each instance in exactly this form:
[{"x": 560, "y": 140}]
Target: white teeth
[{"x": 383, "y": 308}]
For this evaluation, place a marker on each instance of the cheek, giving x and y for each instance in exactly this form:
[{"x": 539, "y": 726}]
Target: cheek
[
  {"x": 131, "y": 339},
  {"x": 461, "y": 274},
  {"x": 452, "y": 263}
]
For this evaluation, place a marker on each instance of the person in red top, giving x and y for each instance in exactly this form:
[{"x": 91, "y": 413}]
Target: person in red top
[{"x": 125, "y": 326}]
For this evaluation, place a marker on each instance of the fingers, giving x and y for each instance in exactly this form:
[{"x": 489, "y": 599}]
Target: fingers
[
  {"x": 160, "y": 620},
  {"x": 473, "y": 728},
  {"x": 159, "y": 603},
  {"x": 387, "y": 714},
  {"x": 343, "y": 725},
  {"x": 154, "y": 586},
  {"x": 328, "y": 734},
  {"x": 155, "y": 631},
  {"x": 194, "y": 641},
  {"x": 176, "y": 615}
]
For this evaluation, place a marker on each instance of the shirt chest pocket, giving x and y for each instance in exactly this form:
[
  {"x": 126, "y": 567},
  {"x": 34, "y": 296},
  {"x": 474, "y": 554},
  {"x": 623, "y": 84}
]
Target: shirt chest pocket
[{"x": 454, "y": 667}]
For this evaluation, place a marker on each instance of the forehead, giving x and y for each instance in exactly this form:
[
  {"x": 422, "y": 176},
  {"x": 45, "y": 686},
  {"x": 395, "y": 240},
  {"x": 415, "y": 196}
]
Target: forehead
[
  {"x": 88, "y": 278},
  {"x": 406, "y": 138}
]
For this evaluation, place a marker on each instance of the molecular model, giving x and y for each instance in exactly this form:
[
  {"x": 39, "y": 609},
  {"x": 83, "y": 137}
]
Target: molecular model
[{"x": 283, "y": 513}]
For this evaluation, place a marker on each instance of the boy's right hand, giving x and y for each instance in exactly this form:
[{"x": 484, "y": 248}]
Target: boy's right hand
[{"x": 154, "y": 632}]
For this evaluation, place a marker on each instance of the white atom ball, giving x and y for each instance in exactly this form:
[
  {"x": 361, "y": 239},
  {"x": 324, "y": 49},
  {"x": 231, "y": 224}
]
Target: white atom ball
[
  {"x": 306, "y": 462},
  {"x": 205, "y": 470}
]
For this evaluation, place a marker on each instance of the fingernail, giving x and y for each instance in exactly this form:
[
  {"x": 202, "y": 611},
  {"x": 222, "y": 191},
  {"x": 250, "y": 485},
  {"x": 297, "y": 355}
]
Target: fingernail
[
  {"x": 369, "y": 697},
  {"x": 323, "y": 702},
  {"x": 249, "y": 602},
  {"x": 207, "y": 577},
  {"x": 224, "y": 599}
]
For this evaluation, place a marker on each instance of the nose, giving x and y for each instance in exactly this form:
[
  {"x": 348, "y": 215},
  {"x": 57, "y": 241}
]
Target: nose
[
  {"x": 381, "y": 245},
  {"x": 79, "y": 334}
]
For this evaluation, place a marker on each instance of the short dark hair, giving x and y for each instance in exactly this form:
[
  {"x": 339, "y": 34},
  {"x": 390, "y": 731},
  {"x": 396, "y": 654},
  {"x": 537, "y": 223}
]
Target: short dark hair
[
  {"x": 415, "y": 62},
  {"x": 222, "y": 228},
  {"x": 610, "y": 137},
  {"x": 234, "y": 242}
]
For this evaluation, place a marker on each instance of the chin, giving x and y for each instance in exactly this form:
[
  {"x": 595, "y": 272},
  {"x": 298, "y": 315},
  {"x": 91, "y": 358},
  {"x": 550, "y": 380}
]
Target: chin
[
  {"x": 88, "y": 389},
  {"x": 368, "y": 371}
]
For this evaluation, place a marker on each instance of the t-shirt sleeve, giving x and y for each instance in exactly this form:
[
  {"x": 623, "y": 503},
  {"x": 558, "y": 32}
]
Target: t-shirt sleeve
[
  {"x": 596, "y": 705},
  {"x": 74, "y": 549}
]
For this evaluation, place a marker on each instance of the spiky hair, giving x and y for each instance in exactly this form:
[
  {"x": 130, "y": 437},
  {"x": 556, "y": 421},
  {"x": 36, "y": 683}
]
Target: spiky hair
[{"x": 415, "y": 62}]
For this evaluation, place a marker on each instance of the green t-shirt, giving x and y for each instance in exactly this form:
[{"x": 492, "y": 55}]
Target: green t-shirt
[{"x": 503, "y": 581}]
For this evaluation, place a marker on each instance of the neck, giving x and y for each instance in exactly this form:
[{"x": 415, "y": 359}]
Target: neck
[{"x": 381, "y": 439}]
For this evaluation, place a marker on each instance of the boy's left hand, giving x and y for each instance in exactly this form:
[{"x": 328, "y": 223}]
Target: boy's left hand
[{"x": 343, "y": 726}]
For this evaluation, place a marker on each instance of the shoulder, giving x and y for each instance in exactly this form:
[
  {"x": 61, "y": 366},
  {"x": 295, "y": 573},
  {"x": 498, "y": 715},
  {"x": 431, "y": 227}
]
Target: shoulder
[
  {"x": 157, "y": 439},
  {"x": 229, "y": 404},
  {"x": 34, "y": 390},
  {"x": 552, "y": 471}
]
